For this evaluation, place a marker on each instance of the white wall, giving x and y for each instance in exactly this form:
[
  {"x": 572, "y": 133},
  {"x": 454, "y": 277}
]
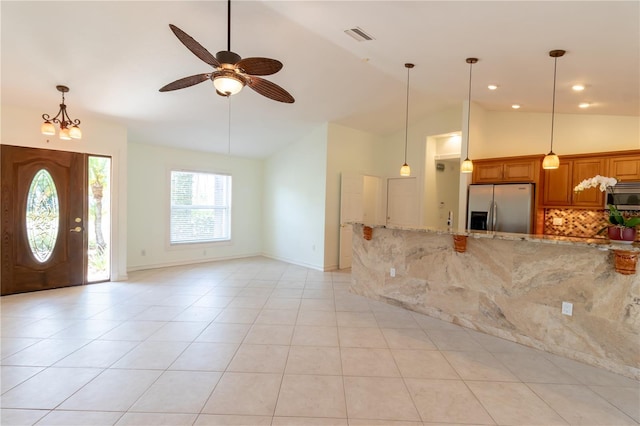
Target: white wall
[
  {"x": 348, "y": 151},
  {"x": 149, "y": 189},
  {"x": 294, "y": 182},
  {"x": 22, "y": 128},
  {"x": 522, "y": 133}
]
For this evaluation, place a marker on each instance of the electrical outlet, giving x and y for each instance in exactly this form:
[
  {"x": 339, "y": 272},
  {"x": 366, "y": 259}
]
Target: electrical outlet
[
  {"x": 567, "y": 308},
  {"x": 558, "y": 221},
  {"x": 392, "y": 272}
]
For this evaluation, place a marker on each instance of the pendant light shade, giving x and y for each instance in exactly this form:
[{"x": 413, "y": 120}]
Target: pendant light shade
[
  {"x": 551, "y": 160},
  {"x": 405, "y": 170},
  {"x": 467, "y": 164}
]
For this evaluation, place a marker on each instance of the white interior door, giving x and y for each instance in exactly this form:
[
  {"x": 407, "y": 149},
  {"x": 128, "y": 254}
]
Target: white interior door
[
  {"x": 351, "y": 210},
  {"x": 402, "y": 202}
]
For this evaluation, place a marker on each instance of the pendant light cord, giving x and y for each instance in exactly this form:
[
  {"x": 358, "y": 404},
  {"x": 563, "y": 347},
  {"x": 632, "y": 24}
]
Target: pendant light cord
[
  {"x": 469, "y": 112},
  {"x": 406, "y": 122},
  {"x": 553, "y": 102}
]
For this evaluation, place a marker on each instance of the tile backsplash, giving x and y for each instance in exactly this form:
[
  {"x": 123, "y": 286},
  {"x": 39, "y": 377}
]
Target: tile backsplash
[{"x": 575, "y": 223}]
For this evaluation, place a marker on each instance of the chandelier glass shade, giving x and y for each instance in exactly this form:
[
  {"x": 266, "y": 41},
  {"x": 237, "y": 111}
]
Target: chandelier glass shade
[{"x": 227, "y": 83}]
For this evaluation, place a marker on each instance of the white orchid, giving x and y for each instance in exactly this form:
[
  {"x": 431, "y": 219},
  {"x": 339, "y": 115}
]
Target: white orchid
[{"x": 602, "y": 181}]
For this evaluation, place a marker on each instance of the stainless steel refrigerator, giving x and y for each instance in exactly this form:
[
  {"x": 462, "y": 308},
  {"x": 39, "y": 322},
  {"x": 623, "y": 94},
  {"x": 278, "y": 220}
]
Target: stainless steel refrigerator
[{"x": 504, "y": 207}]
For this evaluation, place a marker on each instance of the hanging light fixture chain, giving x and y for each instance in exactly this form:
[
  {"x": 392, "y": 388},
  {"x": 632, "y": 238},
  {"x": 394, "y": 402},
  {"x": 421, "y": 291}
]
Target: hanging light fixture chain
[
  {"x": 229, "y": 128},
  {"x": 406, "y": 119},
  {"x": 470, "y": 61},
  {"x": 551, "y": 160},
  {"x": 553, "y": 101},
  {"x": 229, "y": 25}
]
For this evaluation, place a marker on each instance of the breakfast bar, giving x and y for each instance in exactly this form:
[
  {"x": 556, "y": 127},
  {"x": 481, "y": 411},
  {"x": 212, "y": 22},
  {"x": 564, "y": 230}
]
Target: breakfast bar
[{"x": 511, "y": 286}]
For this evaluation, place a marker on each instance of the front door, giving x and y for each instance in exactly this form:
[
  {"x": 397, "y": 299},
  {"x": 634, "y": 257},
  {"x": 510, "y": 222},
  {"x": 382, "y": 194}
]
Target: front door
[{"x": 43, "y": 215}]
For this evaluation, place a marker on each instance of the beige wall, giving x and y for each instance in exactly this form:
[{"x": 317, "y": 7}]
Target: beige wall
[
  {"x": 348, "y": 151},
  {"x": 521, "y": 133},
  {"x": 294, "y": 187},
  {"x": 149, "y": 206}
]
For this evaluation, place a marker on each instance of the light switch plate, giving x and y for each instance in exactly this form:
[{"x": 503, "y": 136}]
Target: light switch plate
[
  {"x": 567, "y": 308},
  {"x": 392, "y": 272}
]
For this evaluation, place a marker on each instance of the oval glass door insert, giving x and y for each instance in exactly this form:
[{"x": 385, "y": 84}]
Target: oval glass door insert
[{"x": 43, "y": 215}]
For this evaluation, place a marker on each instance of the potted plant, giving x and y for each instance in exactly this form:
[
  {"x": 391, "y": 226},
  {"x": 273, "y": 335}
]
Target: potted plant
[{"x": 620, "y": 228}]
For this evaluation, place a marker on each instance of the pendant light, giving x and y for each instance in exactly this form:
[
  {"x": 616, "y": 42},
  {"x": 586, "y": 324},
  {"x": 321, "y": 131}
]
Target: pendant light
[
  {"x": 405, "y": 170},
  {"x": 69, "y": 129},
  {"x": 551, "y": 160},
  {"x": 467, "y": 164}
]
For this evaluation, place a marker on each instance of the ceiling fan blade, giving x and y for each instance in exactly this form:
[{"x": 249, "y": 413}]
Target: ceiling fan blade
[
  {"x": 195, "y": 47},
  {"x": 259, "y": 66},
  {"x": 269, "y": 89},
  {"x": 186, "y": 82}
]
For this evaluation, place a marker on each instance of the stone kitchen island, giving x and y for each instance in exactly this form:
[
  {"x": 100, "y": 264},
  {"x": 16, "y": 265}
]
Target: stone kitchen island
[{"x": 511, "y": 286}]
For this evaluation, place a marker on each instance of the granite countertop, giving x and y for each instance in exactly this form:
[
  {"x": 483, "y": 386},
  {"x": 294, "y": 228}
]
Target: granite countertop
[{"x": 598, "y": 243}]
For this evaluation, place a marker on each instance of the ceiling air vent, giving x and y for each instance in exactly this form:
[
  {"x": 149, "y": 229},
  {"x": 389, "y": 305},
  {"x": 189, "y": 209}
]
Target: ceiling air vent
[{"x": 358, "y": 34}]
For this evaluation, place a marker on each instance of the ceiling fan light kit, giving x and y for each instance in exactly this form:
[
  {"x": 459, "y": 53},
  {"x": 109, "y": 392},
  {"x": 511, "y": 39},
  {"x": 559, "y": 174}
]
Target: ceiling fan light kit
[
  {"x": 68, "y": 128},
  {"x": 227, "y": 83},
  {"x": 231, "y": 72}
]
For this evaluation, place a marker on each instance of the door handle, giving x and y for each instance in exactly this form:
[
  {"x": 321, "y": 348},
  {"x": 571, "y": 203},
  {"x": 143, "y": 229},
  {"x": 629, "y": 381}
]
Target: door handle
[{"x": 76, "y": 229}]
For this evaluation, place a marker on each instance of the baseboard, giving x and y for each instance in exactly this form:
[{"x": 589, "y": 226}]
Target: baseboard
[
  {"x": 294, "y": 262},
  {"x": 188, "y": 262}
]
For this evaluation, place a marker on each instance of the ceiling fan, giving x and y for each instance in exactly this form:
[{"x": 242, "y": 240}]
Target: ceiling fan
[{"x": 231, "y": 72}]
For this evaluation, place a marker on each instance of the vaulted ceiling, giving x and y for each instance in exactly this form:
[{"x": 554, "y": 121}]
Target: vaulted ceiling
[{"x": 115, "y": 56}]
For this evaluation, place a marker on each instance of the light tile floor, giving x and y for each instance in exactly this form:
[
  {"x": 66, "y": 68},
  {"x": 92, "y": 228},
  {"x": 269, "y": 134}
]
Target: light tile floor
[{"x": 261, "y": 342}]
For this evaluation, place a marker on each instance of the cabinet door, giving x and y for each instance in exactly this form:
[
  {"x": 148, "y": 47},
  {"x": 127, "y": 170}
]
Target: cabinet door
[
  {"x": 519, "y": 171},
  {"x": 557, "y": 185},
  {"x": 487, "y": 173},
  {"x": 625, "y": 168},
  {"x": 584, "y": 169}
]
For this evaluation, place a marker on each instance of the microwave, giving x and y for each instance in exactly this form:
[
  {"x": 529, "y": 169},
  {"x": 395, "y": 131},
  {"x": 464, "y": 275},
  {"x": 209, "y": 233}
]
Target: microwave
[{"x": 625, "y": 196}]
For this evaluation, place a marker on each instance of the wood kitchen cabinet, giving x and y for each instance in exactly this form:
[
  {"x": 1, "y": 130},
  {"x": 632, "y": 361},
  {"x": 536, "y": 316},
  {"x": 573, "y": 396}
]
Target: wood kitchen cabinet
[
  {"x": 523, "y": 169},
  {"x": 585, "y": 168},
  {"x": 559, "y": 183},
  {"x": 624, "y": 168}
]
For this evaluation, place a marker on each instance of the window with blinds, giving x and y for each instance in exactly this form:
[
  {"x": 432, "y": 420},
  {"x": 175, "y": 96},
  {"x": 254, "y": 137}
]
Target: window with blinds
[{"x": 200, "y": 207}]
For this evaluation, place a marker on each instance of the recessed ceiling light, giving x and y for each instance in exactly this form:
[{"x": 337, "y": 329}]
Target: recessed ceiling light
[
  {"x": 584, "y": 105},
  {"x": 515, "y": 106},
  {"x": 492, "y": 87},
  {"x": 578, "y": 87}
]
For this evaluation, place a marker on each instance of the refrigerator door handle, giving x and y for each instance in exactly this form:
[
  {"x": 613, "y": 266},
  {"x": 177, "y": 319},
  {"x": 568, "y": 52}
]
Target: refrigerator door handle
[{"x": 494, "y": 218}]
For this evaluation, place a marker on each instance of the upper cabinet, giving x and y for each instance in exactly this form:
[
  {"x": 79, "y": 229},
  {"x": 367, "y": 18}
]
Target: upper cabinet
[
  {"x": 554, "y": 188},
  {"x": 557, "y": 187},
  {"x": 625, "y": 168},
  {"x": 559, "y": 183},
  {"x": 516, "y": 169},
  {"x": 584, "y": 168}
]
